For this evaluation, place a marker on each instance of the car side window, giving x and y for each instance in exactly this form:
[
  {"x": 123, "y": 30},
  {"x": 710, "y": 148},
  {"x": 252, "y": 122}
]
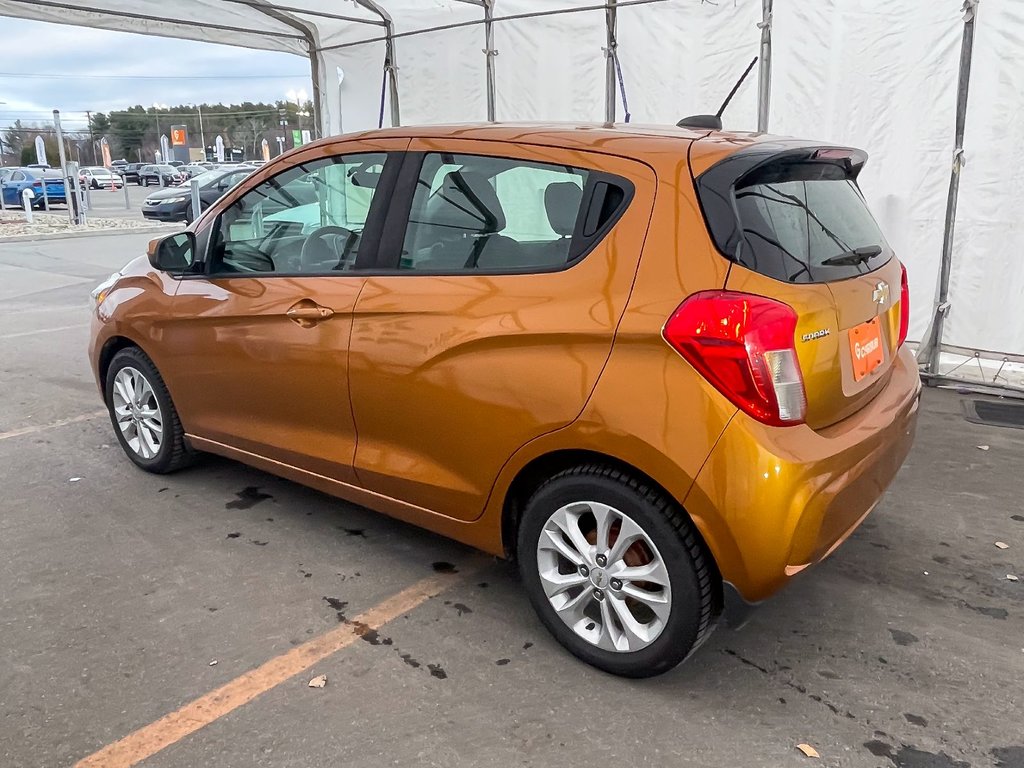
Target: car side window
[
  {"x": 229, "y": 181},
  {"x": 472, "y": 212},
  {"x": 17, "y": 176},
  {"x": 308, "y": 219}
]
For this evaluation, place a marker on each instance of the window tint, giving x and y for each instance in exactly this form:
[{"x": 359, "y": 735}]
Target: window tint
[
  {"x": 308, "y": 219},
  {"x": 472, "y": 212},
  {"x": 796, "y": 218}
]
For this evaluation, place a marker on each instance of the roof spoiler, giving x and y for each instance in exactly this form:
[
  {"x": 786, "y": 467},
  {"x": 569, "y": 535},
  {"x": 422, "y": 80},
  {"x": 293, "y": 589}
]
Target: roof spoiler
[{"x": 715, "y": 186}]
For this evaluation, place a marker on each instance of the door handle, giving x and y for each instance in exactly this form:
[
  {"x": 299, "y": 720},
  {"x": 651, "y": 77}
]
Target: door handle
[{"x": 308, "y": 313}]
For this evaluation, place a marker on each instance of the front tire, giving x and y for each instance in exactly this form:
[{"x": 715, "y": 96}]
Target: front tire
[
  {"x": 143, "y": 416},
  {"x": 616, "y": 571}
]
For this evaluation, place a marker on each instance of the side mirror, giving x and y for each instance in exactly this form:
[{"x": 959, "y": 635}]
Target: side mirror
[{"x": 173, "y": 253}]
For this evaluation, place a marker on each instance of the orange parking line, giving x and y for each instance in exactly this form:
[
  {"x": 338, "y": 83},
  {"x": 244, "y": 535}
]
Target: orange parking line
[{"x": 169, "y": 729}]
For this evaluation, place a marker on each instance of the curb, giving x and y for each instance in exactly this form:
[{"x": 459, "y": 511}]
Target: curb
[{"x": 89, "y": 233}]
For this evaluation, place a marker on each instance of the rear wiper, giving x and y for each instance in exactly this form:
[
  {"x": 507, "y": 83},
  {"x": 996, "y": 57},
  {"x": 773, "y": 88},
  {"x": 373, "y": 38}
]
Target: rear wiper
[{"x": 856, "y": 256}]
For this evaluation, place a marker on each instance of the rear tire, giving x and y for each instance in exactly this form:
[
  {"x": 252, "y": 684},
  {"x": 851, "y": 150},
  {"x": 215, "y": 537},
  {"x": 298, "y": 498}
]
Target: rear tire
[
  {"x": 143, "y": 416},
  {"x": 610, "y": 617}
]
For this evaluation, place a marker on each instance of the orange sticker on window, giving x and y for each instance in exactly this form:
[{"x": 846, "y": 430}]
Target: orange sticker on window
[{"x": 866, "y": 348}]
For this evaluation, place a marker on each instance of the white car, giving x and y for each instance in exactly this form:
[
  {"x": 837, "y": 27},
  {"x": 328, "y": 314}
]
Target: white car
[{"x": 97, "y": 176}]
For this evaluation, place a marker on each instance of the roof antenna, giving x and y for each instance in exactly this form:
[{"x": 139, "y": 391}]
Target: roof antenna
[{"x": 714, "y": 122}]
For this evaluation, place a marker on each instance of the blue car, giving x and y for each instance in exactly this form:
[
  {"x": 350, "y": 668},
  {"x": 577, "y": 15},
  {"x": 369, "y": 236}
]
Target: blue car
[{"x": 32, "y": 178}]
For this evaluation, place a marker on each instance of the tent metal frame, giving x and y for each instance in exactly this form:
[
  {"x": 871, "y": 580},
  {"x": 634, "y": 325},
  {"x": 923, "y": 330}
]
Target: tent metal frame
[
  {"x": 306, "y": 32},
  {"x": 931, "y": 346}
]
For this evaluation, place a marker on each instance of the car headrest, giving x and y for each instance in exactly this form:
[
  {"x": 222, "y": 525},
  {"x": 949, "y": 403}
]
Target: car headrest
[
  {"x": 562, "y": 203},
  {"x": 466, "y": 201}
]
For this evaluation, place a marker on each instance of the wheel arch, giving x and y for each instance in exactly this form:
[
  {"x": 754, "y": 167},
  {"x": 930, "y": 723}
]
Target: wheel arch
[
  {"x": 546, "y": 465},
  {"x": 111, "y": 347}
]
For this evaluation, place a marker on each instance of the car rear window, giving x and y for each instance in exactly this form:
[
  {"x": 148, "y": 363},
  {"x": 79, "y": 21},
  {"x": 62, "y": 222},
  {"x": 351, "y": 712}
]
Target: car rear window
[{"x": 795, "y": 219}]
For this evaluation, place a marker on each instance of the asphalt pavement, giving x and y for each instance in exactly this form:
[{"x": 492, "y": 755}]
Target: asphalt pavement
[{"x": 127, "y": 597}]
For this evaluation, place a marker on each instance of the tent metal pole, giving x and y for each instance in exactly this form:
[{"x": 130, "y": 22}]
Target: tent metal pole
[
  {"x": 931, "y": 347},
  {"x": 78, "y": 6},
  {"x": 610, "y": 24},
  {"x": 390, "y": 59},
  {"x": 310, "y": 35},
  {"x": 511, "y": 17},
  {"x": 490, "y": 53},
  {"x": 764, "y": 72},
  {"x": 309, "y": 12}
]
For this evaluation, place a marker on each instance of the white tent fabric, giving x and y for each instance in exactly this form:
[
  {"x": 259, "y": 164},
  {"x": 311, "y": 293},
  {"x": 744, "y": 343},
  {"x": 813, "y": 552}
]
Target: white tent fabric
[
  {"x": 876, "y": 74},
  {"x": 987, "y": 282},
  {"x": 881, "y": 77}
]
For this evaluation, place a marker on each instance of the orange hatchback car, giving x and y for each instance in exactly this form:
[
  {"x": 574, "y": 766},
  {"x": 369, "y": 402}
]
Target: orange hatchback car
[{"x": 662, "y": 368}]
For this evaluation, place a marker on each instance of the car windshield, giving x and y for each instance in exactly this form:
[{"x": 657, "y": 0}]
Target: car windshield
[
  {"x": 98, "y": 171},
  {"x": 166, "y": 168},
  {"x": 209, "y": 178}
]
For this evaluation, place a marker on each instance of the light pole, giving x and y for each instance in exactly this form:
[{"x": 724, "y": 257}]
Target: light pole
[
  {"x": 202, "y": 135},
  {"x": 299, "y": 100}
]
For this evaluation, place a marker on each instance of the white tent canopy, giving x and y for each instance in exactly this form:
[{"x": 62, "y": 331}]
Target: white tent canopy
[{"x": 877, "y": 74}]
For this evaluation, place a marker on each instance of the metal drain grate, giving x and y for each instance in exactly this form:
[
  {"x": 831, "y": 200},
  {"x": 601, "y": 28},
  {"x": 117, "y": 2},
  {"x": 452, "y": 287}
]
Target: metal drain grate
[{"x": 994, "y": 413}]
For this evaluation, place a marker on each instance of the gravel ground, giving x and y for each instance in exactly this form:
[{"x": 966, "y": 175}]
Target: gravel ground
[{"x": 13, "y": 224}]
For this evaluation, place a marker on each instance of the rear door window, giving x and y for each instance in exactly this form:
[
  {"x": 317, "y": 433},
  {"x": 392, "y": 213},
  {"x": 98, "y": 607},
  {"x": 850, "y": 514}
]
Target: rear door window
[{"x": 472, "y": 212}]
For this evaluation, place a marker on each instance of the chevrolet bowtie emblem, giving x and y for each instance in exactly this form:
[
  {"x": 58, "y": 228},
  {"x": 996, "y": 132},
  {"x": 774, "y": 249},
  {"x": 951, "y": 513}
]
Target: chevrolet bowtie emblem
[{"x": 881, "y": 294}]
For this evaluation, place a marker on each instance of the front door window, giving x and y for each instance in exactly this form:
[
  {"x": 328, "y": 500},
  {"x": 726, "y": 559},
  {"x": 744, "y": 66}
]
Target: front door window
[{"x": 307, "y": 220}]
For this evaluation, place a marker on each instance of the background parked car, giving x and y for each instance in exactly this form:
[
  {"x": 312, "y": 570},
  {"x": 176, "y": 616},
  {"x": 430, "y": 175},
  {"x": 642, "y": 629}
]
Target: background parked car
[
  {"x": 193, "y": 170},
  {"x": 165, "y": 175},
  {"x": 130, "y": 172},
  {"x": 33, "y": 178},
  {"x": 96, "y": 176},
  {"x": 175, "y": 163},
  {"x": 175, "y": 203}
]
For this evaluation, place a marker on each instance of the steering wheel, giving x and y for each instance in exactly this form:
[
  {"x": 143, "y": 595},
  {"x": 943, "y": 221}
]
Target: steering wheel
[{"x": 317, "y": 254}]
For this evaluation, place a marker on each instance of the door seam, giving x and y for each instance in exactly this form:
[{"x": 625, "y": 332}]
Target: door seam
[{"x": 348, "y": 382}]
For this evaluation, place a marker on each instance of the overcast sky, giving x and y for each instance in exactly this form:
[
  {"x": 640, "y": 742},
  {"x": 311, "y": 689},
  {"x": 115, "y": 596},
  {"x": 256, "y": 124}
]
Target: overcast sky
[{"x": 81, "y": 58}]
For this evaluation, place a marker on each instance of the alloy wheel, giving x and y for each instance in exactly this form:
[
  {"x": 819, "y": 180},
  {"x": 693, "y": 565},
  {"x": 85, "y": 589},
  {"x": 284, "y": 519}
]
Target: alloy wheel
[
  {"x": 604, "y": 576},
  {"x": 138, "y": 413}
]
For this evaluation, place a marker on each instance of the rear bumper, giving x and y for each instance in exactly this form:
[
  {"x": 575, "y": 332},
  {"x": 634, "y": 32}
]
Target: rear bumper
[{"x": 772, "y": 501}]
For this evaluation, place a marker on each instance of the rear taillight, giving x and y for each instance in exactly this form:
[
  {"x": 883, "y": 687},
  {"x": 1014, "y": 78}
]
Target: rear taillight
[
  {"x": 904, "y": 307},
  {"x": 745, "y": 346}
]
